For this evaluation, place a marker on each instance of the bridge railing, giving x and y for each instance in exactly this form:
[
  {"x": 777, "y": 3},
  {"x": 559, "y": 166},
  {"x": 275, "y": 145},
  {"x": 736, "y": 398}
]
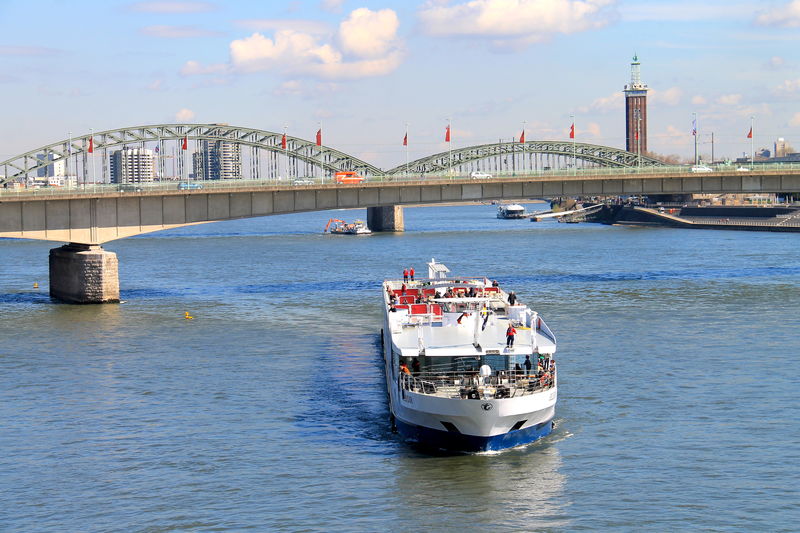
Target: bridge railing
[{"x": 310, "y": 182}]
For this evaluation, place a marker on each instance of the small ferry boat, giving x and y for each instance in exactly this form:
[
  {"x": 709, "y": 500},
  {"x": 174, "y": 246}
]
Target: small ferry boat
[
  {"x": 340, "y": 227},
  {"x": 510, "y": 211},
  {"x": 454, "y": 378}
]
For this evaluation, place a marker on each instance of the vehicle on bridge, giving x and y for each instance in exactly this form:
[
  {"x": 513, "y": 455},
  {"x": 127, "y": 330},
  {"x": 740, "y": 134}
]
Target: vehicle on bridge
[
  {"x": 480, "y": 176},
  {"x": 348, "y": 177},
  {"x": 702, "y": 168},
  {"x": 189, "y": 186}
]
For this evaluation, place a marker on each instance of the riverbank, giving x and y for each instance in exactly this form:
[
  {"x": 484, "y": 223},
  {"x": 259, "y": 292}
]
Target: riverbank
[{"x": 747, "y": 218}]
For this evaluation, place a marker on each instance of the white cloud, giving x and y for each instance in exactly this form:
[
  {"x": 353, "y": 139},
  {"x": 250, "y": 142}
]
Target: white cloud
[
  {"x": 785, "y": 16},
  {"x": 156, "y": 85},
  {"x": 184, "y": 115},
  {"x": 729, "y": 99},
  {"x": 699, "y": 100},
  {"x": 304, "y": 89},
  {"x": 177, "y": 32},
  {"x": 685, "y": 11},
  {"x": 331, "y": 5},
  {"x": 369, "y": 34},
  {"x": 671, "y": 96},
  {"x": 776, "y": 63},
  {"x": 194, "y": 68},
  {"x": 306, "y": 26},
  {"x": 592, "y": 130},
  {"x": 515, "y": 22},
  {"x": 605, "y": 104},
  {"x": 367, "y": 46},
  {"x": 673, "y": 136},
  {"x": 172, "y": 7},
  {"x": 795, "y": 120},
  {"x": 787, "y": 88}
]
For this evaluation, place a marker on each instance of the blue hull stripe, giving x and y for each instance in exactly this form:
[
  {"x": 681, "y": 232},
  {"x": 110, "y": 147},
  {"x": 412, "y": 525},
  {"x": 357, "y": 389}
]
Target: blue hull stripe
[{"x": 445, "y": 440}]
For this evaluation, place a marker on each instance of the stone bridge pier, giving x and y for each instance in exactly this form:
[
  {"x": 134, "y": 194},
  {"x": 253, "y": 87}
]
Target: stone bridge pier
[
  {"x": 385, "y": 218},
  {"x": 84, "y": 274}
]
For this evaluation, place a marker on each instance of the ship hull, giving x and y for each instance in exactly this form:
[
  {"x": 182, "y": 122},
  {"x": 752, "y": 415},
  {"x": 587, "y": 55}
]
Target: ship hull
[{"x": 457, "y": 442}]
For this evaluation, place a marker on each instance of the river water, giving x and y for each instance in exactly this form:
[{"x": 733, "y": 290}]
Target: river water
[{"x": 678, "y": 401}]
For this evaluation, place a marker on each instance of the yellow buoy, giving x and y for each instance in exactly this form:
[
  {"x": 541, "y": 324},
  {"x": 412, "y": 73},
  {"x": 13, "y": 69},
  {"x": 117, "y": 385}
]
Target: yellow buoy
[
  {"x": 187, "y": 316},
  {"x": 35, "y": 285}
]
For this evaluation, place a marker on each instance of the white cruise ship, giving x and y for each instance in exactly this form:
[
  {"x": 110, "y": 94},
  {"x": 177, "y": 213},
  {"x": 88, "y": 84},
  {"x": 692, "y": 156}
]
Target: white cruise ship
[{"x": 455, "y": 381}]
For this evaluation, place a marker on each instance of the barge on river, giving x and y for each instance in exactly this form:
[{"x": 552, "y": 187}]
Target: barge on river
[{"x": 453, "y": 382}]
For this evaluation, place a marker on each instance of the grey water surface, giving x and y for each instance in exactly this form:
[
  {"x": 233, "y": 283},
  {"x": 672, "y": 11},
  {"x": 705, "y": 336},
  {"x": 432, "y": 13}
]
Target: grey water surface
[{"x": 678, "y": 401}]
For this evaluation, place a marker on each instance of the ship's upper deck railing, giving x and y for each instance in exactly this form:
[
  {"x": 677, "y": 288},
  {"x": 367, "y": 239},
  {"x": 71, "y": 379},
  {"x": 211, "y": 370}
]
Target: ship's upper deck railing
[{"x": 472, "y": 386}]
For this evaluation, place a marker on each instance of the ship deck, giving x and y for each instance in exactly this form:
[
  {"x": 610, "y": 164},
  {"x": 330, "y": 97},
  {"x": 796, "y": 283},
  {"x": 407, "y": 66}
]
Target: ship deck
[{"x": 461, "y": 318}]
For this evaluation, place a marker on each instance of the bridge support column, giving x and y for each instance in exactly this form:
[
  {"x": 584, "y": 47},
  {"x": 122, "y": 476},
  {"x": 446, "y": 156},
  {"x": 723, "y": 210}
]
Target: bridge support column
[
  {"x": 84, "y": 274},
  {"x": 385, "y": 218}
]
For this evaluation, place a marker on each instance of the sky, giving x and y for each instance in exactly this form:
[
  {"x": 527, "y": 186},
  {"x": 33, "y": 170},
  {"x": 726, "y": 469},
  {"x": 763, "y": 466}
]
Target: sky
[{"x": 364, "y": 71}]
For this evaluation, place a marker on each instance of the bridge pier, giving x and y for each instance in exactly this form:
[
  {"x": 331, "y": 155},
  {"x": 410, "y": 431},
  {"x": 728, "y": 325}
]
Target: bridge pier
[
  {"x": 84, "y": 274},
  {"x": 385, "y": 218}
]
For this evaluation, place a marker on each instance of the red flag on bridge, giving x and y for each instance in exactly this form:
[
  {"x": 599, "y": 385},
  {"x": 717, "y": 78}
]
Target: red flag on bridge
[
  {"x": 636, "y": 136},
  {"x": 319, "y": 137},
  {"x": 522, "y": 137},
  {"x": 750, "y": 133},
  {"x": 572, "y": 131},
  {"x": 185, "y": 144},
  {"x": 447, "y": 134},
  {"x": 91, "y": 145},
  {"x": 283, "y": 142},
  {"x": 405, "y": 139}
]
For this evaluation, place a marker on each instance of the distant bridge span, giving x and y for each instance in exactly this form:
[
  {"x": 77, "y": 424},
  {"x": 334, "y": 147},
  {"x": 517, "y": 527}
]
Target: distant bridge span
[{"x": 605, "y": 156}]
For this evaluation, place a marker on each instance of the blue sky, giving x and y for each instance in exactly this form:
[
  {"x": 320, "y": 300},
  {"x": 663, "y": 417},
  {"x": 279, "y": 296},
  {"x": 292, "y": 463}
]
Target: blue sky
[{"x": 365, "y": 69}]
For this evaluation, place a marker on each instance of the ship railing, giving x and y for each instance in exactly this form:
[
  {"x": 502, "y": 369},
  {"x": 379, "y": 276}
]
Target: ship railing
[{"x": 470, "y": 385}]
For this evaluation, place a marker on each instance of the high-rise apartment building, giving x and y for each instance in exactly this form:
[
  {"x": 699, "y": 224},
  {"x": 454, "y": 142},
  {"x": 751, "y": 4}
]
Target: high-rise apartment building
[
  {"x": 133, "y": 165},
  {"x": 217, "y": 160},
  {"x": 56, "y": 168},
  {"x": 636, "y": 111}
]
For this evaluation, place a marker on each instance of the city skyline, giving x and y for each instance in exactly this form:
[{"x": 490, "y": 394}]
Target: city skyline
[{"x": 362, "y": 70}]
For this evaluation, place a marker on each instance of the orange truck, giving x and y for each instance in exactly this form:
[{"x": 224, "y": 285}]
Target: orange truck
[{"x": 348, "y": 177}]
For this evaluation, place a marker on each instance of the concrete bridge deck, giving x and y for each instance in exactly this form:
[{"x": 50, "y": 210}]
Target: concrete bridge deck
[{"x": 102, "y": 213}]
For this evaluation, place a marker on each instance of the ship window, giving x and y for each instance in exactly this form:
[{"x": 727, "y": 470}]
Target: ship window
[
  {"x": 450, "y": 427},
  {"x": 518, "y": 425}
]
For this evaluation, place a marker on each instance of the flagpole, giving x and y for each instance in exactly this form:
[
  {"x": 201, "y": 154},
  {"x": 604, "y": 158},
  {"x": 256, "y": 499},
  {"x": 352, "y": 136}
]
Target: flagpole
[
  {"x": 69, "y": 154},
  {"x": 574, "y": 164},
  {"x": 286, "y": 155},
  {"x": 524, "y": 123},
  {"x": 450, "y": 145},
  {"x": 407, "y": 149},
  {"x": 319, "y": 149},
  {"x": 752, "y": 141},
  {"x": 694, "y": 132},
  {"x": 94, "y": 180}
]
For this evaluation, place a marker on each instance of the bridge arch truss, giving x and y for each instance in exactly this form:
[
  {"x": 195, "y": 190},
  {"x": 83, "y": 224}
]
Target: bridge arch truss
[
  {"x": 564, "y": 151},
  {"x": 263, "y": 155}
]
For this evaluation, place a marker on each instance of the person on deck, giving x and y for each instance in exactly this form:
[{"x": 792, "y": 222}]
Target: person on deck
[
  {"x": 405, "y": 274},
  {"x": 415, "y": 366},
  {"x": 510, "y": 332},
  {"x": 411, "y": 273},
  {"x": 512, "y": 298},
  {"x": 528, "y": 365},
  {"x": 404, "y": 368}
]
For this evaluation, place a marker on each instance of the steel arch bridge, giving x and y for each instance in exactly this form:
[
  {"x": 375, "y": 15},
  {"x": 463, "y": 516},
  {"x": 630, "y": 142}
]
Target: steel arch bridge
[
  {"x": 593, "y": 153},
  {"x": 77, "y": 148}
]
